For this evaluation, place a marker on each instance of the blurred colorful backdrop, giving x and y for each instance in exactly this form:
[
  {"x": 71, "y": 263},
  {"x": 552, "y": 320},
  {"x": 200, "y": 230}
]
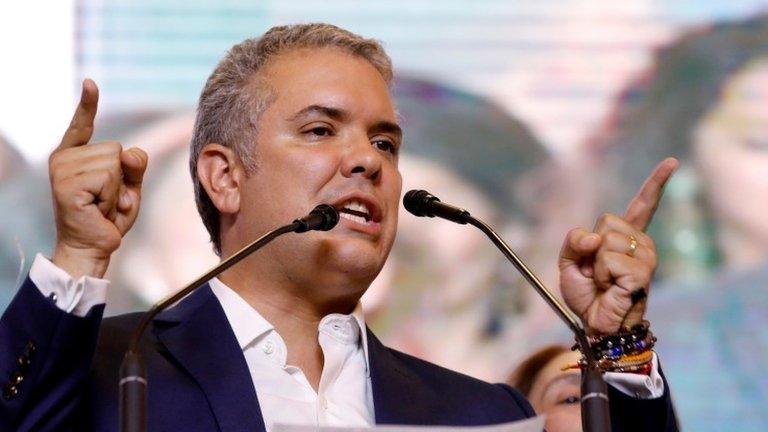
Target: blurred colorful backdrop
[{"x": 535, "y": 115}]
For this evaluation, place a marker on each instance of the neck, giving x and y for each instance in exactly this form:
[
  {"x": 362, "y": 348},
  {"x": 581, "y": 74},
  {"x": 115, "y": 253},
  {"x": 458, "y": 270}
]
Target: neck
[{"x": 293, "y": 308}]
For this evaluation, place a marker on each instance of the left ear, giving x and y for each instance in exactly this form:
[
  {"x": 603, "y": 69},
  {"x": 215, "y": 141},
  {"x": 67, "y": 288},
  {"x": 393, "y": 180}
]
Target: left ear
[{"x": 221, "y": 175}]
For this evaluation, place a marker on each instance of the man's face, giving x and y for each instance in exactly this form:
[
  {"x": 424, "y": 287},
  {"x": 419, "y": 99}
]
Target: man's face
[{"x": 330, "y": 135}]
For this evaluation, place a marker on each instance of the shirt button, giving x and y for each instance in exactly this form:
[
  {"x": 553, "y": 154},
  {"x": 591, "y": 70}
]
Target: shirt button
[
  {"x": 269, "y": 348},
  {"x": 323, "y": 402}
]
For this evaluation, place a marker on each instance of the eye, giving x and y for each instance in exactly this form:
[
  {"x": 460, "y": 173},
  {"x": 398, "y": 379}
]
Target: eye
[
  {"x": 572, "y": 399},
  {"x": 320, "y": 131},
  {"x": 385, "y": 145},
  {"x": 317, "y": 130}
]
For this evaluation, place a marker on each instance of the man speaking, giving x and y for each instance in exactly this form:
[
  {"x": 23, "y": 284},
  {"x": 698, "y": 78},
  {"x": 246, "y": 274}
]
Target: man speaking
[{"x": 298, "y": 117}]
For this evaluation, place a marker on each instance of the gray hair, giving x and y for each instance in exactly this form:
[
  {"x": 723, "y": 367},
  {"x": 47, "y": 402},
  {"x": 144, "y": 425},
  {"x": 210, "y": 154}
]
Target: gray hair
[{"x": 233, "y": 99}]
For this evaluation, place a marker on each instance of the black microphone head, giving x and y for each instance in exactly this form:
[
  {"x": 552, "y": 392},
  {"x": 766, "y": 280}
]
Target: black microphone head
[
  {"x": 330, "y": 217},
  {"x": 321, "y": 218},
  {"x": 417, "y": 202}
]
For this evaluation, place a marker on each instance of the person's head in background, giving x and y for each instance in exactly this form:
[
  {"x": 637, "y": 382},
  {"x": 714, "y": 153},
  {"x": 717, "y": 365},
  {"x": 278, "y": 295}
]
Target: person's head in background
[
  {"x": 445, "y": 292},
  {"x": 551, "y": 390},
  {"x": 167, "y": 242},
  {"x": 705, "y": 101}
]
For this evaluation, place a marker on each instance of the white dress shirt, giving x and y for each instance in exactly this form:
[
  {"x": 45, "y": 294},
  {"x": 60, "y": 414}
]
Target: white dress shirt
[{"x": 344, "y": 396}]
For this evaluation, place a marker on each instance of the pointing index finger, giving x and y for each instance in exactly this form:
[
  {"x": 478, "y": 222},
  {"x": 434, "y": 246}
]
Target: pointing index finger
[
  {"x": 641, "y": 209},
  {"x": 81, "y": 127}
]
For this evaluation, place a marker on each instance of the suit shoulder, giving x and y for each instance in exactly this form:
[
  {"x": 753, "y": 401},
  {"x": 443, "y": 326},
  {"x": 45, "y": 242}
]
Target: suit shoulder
[
  {"x": 431, "y": 371},
  {"x": 454, "y": 384}
]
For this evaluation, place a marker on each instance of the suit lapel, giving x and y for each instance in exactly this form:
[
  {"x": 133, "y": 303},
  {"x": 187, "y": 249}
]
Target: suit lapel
[
  {"x": 202, "y": 341},
  {"x": 398, "y": 394},
  {"x": 197, "y": 334}
]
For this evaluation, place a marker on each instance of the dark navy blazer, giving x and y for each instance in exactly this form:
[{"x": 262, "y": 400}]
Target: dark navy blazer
[{"x": 63, "y": 375}]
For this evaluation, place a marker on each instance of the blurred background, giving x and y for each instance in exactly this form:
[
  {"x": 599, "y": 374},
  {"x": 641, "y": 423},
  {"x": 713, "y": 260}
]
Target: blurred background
[{"x": 535, "y": 115}]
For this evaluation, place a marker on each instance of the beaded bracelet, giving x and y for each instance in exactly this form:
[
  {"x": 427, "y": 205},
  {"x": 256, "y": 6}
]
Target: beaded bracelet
[
  {"x": 635, "y": 363},
  {"x": 625, "y": 346},
  {"x": 635, "y": 340},
  {"x": 636, "y": 329},
  {"x": 630, "y": 350},
  {"x": 626, "y": 362}
]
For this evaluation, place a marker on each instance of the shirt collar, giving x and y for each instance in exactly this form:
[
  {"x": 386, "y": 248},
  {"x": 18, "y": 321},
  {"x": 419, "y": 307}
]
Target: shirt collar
[
  {"x": 360, "y": 319},
  {"x": 248, "y": 324}
]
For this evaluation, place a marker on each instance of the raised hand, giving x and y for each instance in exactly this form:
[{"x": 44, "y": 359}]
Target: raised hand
[
  {"x": 96, "y": 192},
  {"x": 600, "y": 270}
]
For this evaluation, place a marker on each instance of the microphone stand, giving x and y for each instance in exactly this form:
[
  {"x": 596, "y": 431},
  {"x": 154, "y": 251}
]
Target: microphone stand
[
  {"x": 595, "y": 412},
  {"x": 133, "y": 370}
]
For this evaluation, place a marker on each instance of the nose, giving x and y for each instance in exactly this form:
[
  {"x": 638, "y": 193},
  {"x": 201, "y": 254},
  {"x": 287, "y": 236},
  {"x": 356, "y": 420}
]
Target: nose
[{"x": 361, "y": 159}]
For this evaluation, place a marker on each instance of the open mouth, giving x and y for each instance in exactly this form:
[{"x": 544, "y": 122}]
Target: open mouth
[{"x": 356, "y": 211}]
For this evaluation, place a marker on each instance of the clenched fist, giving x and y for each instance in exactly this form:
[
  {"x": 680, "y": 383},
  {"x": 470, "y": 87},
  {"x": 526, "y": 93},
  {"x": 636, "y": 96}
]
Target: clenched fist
[
  {"x": 600, "y": 270},
  {"x": 96, "y": 192}
]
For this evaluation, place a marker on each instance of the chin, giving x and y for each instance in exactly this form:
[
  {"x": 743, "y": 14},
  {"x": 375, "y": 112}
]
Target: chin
[{"x": 357, "y": 259}]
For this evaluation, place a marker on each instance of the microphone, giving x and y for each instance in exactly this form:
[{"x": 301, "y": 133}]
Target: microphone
[
  {"x": 423, "y": 203},
  {"x": 321, "y": 218},
  {"x": 594, "y": 401},
  {"x": 133, "y": 371}
]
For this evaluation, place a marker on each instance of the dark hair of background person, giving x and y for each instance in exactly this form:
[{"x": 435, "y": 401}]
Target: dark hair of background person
[
  {"x": 470, "y": 134},
  {"x": 485, "y": 145},
  {"x": 525, "y": 374},
  {"x": 655, "y": 117}
]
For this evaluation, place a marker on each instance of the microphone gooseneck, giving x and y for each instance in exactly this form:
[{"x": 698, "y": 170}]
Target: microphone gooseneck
[
  {"x": 133, "y": 373},
  {"x": 594, "y": 401}
]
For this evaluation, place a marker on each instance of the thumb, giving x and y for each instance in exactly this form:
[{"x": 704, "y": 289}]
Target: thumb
[
  {"x": 579, "y": 244},
  {"x": 134, "y": 164}
]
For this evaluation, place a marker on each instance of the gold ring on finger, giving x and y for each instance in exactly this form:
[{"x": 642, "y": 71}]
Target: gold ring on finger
[{"x": 632, "y": 246}]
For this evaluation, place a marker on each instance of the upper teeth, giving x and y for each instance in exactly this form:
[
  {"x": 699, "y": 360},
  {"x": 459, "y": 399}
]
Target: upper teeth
[{"x": 356, "y": 206}]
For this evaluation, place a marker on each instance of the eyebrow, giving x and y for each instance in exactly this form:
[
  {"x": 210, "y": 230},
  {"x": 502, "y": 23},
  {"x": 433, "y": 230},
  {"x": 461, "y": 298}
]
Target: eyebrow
[
  {"x": 385, "y": 126},
  {"x": 568, "y": 378},
  {"x": 334, "y": 113},
  {"x": 338, "y": 114}
]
